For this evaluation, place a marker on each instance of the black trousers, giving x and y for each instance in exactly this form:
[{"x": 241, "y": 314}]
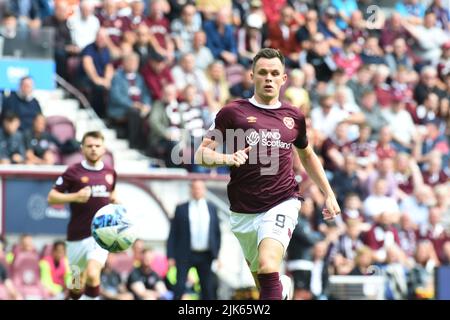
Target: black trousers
[{"x": 202, "y": 262}]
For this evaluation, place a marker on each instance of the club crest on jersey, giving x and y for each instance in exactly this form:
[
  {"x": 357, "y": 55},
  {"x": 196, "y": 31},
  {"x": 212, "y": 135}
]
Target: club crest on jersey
[
  {"x": 109, "y": 178},
  {"x": 251, "y": 119},
  {"x": 84, "y": 179},
  {"x": 288, "y": 122}
]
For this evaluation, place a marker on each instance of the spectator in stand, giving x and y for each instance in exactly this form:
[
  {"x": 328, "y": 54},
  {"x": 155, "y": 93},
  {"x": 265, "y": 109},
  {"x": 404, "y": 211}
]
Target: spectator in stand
[
  {"x": 220, "y": 37},
  {"x": 434, "y": 142},
  {"x": 25, "y": 245},
  {"x": 348, "y": 58},
  {"x": 407, "y": 233},
  {"x": 282, "y": 35},
  {"x": 160, "y": 28},
  {"x": 372, "y": 52},
  {"x": 144, "y": 283},
  {"x": 41, "y": 146},
  {"x": 361, "y": 83},
  {"x": 399, "y": 56},
  {"x": 96, "y": 72},
  {"x": 109, "y": 19},
  {"x": 143, "y": 45},
  {"x": 442, "y": 193},
  {"x": 202, "y": 54},
  {"x": 186, "y": 73},
  {"x": 63, "y": 45},
  {"x": 249, "y": 39},
  {"x": 378, "y": 202},
  {"x": 430, "y": 39},
  {"x": 112, "y": 287},
  {"x": 245, "y": 88},
  {"x": 157, "y": 75},
  {"x": 417, "y": 205},
  {"x": 83, "y": 25},
  {"x": 428, "y": 111},
  {"x": 363, "y": 262},
  {"x": 218, "y": 90},
  {"x": 333, "y": 148},
  {"x": 137, "y": 251},
  {"x": 296, "y": 93},
  {"x": 346, "y": 181},
  {"x": 12, "y": 146},
  {"x": 129, "y": 100},
  {"x": 384, "y": 170},
  {"x": 372, "y": 113},
  {"x": 55, "y": 270},
  {"x": 385, "y": 148},
  {"x": 23, "y": 104},
  {"x": 382, "y": 235},
  {"x": 429, "y": 82},
  {"x": 364, "y": 148},
  {"x": 434, "y": 174},
  {"x": 326, "y": 117},
  {"x": 435, "y": 232},
  {"x": 357, "y": 33},
  {"x": 442, "y": 14},
  {"x": 164, "y": 134},
  {"x": 393, "y": 30},
  {"x": 407, "y": 175},
  {"x": 404, "y": 133},
  {"x": 184, "y": 28},
  {"x": 320, "y": 57}
]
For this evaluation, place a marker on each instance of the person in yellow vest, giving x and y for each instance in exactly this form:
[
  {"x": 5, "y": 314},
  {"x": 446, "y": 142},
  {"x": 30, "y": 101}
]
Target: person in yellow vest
[{"x": 55, "y": 271}]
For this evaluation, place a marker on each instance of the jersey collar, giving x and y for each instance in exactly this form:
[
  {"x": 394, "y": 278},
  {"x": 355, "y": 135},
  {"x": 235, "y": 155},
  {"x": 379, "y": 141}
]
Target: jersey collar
[
  {"x": 253, "y": 101},
  {"x": 87, "y": 166}
]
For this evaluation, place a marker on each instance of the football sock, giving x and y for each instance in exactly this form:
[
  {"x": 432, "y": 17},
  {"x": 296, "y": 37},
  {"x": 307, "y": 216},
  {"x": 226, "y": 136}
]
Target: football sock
[
  {"x": 92, "y": 292},
  {"x": 270, "y": 286}
]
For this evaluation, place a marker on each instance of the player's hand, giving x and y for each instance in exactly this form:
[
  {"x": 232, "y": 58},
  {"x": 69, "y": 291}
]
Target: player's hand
[
  {"x": 332, "y": 208},
  {"x": 84, "y": 194},
  {"x": 238, "y": 158}
]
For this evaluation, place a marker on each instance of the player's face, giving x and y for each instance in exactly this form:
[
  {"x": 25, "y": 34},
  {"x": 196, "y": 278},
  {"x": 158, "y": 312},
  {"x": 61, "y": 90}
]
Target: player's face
[
  {"x": 93, "y": 149},
  {"x": 268, "y": 77}
]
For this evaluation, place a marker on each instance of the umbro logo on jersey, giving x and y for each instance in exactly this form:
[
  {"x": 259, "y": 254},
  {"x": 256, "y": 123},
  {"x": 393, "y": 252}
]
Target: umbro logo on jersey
[{"x": 251, "y": 119}]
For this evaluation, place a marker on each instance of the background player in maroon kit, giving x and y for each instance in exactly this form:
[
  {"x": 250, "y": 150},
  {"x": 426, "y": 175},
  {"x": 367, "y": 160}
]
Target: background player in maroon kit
[
  {"x": 87, "y": 186},
  {"x": 263, "y": 190}
]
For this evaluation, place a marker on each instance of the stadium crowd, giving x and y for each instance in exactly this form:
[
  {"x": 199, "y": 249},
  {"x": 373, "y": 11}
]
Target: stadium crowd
[{"x": 375, "y": 87}]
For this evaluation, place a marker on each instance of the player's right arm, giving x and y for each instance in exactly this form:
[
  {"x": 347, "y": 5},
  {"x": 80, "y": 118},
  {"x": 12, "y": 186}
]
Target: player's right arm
[
  {"x": 81, "y": 196},
  {"x": 208, "y": 157}
]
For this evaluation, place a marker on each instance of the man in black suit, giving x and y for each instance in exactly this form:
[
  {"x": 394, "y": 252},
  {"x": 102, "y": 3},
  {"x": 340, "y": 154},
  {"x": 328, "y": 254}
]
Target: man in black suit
[{"x": 194, "y": 240}]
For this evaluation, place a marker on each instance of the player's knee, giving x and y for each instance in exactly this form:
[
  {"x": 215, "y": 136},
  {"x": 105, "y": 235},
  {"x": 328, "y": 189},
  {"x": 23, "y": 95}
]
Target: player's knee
[
  {"x": 92, "y": 274},
  {"x": 268, "y": 264}
]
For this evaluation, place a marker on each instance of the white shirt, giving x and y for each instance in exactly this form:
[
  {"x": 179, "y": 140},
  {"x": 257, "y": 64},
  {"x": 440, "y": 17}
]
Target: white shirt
[
  {"x": 327, "y": 123},
  {"x": 374, "y": 205},
  {"x": 199, "y": 224},
  {"x": 83, "y": 31}
]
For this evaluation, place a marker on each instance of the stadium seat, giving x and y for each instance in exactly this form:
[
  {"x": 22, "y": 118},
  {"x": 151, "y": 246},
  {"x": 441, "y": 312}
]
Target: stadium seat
[
  {"x": 61, "y": 127},
  {"x": 26, "y": 276}
]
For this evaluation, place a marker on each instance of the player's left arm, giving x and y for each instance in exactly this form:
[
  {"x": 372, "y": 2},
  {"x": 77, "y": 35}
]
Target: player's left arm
[
  {"x": 315, "y": 171},
  {"x": 113, "y": 197}
]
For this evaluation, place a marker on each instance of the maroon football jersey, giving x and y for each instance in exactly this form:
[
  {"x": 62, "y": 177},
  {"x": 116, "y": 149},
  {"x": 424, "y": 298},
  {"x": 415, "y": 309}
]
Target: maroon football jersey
[
  {"x": 267, "y": 178},
  {"x": 102, "y": 183}
]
